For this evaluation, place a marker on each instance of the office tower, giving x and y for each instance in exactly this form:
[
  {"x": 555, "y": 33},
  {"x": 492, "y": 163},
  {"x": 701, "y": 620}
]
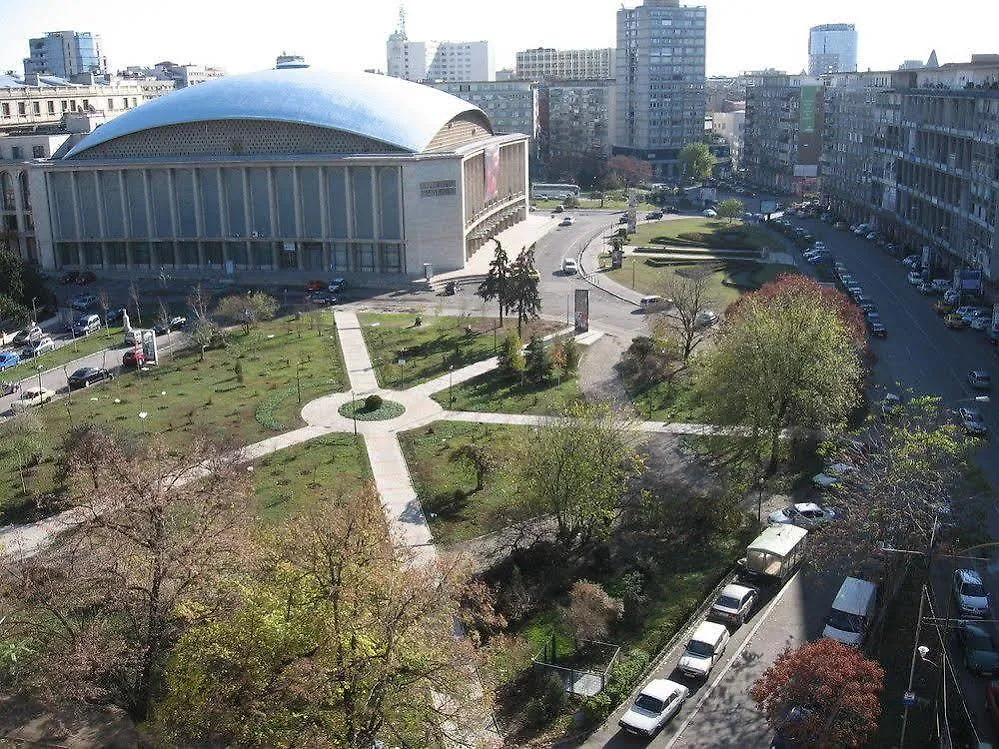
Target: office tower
[
  {"x": 832, "y": 48},
  {"x": 659, "y": 82},
  {"x": 65, "y": 53}
]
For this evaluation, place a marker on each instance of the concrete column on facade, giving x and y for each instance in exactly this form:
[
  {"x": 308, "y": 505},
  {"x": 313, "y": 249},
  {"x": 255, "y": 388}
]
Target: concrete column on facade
[
  {"x": 154, "y": 255},
  {"x": 250, "y": 260},
  {"x": 324, "y": 222},
  {"x": 102, "y": 229},
  {"x": 298, "y": 218},
  {"x": 81, "y": 259},
  {"x": 348, "y": 194},
  {"x": 276, "y": 250},
  {"x": 44, "y": 241},
  {"x": 376, "y": 220}
]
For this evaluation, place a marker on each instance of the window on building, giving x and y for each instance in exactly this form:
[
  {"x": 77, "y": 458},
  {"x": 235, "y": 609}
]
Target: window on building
[
  {"x": 5, "y": 110},
  {"x": 36, "y": 107},
  {"x": 50, "y": 106},
  {"x": 38, "y": 152},
  {"x": 16, "y": 153},
  {"x": 110, "y": 104},
  {"x": 22, "y": 108}
]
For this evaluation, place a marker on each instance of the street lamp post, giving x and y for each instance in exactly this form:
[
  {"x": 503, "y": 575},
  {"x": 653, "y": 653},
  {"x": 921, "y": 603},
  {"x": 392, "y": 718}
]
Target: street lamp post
[
  {"x": 41, "y": 400},
  {"x": 34, "y": 309},
  {"x": 450, "y": 384},
  {"x": 759, "y": 499}
]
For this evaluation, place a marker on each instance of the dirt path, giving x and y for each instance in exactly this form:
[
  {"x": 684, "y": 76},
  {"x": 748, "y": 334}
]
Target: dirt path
[{"x": 598, "y": 379}]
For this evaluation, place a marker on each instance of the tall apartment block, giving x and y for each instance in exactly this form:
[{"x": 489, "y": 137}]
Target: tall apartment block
[
  {"x": 437, "y": 61},
  {"x": 659, "y": 82},
  {"x": 65, "y": 53},
  {"x": 832, "y": 48},
  {"x": 512, "y": 106},
  {"x": 783, "y": 132},
  {"x": 576, "y": 120},
  {"x": 546, "y": 64},
  {"x": 916, "y": 153}
]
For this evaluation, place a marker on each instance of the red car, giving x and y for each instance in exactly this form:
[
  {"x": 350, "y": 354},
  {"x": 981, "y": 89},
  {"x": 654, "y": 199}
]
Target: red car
[
  {"x": 315, "y": 286},
  {"x": 85, "y": 277},
  {"x": 134, "y": 358}
]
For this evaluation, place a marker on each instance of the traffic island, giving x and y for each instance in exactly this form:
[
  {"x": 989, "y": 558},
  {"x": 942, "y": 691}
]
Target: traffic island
[{"x": 372, "y": 408}]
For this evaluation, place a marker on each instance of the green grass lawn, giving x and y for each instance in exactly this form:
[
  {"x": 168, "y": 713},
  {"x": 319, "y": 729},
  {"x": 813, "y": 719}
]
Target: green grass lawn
[
  {"x": 242, "y": 393},
  {"x": 82, "y": 346},
  {"x": 446, "y": 488},
  {"x": 288, "y": 481},
  {"x": 439, "y": 343},
  {"x": 728, "y": 280},
  {"x": 668, "y": 402},
  {"x": 496, "y": 394},
  {"x": 705, "y": 232}
]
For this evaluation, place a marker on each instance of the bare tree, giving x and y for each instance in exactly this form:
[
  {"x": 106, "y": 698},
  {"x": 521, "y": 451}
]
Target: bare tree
[
  {"x": 136, "y": 297},
  {"x": 158, "y": 529},
  {"x": 203, "y": 329},
  {"x": 591, "y": 611},
  {"x": 690, "y": 296},
  {"x": 163, "y": 316}
]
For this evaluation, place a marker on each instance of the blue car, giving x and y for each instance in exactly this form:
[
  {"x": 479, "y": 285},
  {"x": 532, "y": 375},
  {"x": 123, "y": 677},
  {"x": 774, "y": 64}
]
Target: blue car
[{"x": 8, "y": 360}]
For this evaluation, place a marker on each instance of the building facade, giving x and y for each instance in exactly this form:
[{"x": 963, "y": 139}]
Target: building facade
[
  {"x": 439, "y": 61},
  {"x": 547, "y": 64},
  {"x": 512, "y": 106},
  {"x": 65, "y": 54},
  {"x": 783, "y": 132},
  {"x": 916, "y": 153},
  {"x": 832, "y": 48},
  {"x": 659, "y": 82},
  {"x": 291, "y": 170},
  {"x": 577, "y": 120},
  {"x": 731, "y": 126}
]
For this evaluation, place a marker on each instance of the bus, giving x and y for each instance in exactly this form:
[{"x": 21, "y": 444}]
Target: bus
[{"x": 540, "y": 191}]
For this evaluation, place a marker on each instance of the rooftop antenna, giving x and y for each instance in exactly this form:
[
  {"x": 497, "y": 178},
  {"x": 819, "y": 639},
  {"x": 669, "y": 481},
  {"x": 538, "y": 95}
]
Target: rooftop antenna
[{"x": 401, "y": 29}]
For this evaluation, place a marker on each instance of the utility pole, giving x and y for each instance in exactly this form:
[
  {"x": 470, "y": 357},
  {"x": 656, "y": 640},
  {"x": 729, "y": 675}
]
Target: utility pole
[{"x": 912, "y": 665}]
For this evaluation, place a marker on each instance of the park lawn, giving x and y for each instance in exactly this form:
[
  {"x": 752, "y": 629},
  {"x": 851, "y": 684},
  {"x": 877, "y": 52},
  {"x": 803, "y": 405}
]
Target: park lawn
[
  {"x": 287, "y": 482},
  {"x": 704, "y": 232},
  {"x": 496, "y": 394},
  {"x": 438, "y": 343},
  {"x": 82, "y": 346},
  {"x": 667, "y": 402},
  {"x": 446, "y": 488},
  {"x": 184, "y": 397},
  {"x": 728, "y": 280}
]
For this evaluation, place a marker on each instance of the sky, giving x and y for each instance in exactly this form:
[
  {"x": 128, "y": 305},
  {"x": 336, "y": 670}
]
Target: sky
[{"x": 345, "y": 34}]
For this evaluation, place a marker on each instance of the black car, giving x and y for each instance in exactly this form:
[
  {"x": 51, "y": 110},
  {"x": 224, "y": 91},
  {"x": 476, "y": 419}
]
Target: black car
[
  {"x": 322, "y": 297},
  {"x": 87, "y": 376},
  {"x": 68, "y": 277},
  {"x": 114, "y": 316},
  {"x": 875, "y": 325}
]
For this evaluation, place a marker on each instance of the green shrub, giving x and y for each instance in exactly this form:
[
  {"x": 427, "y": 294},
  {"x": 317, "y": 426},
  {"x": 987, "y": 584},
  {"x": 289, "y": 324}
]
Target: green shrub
[
  {"x": 623, "y": 678},
  {"x": 373, "y": 402},
  {"x": 548, "y": 701}
]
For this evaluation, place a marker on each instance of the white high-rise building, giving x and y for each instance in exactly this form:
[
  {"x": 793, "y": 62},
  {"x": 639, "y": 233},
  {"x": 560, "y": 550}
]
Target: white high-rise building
[
  {"x": 660, "y": 82},
  {"x": 545, "y": 64},
  {"x": 437, "y": 61},
  {"x": 832, "y": 48}
]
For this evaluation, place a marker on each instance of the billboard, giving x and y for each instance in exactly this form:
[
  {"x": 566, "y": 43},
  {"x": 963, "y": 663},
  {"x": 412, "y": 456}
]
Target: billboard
[
  {"x": 582, "y": 300},
  {"x": 768, "y": 206},
  {"x": 971, "y": 280},
  {"x": 928, "y": 260},
  {"x": 491, "y": 172},
  {"x": 806, "y": 110}
]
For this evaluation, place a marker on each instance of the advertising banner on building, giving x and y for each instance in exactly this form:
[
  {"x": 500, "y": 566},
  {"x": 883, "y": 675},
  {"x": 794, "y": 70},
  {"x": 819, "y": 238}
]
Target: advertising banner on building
[
  {"x": 492, "y": 168},
  {"x": 971, "y": 280},
  {"x": 806, "y": 110},
  {"x": 582, "y": 300},
  {"x": 928, "y": 260},
  {"x": 995, "y": 317}
]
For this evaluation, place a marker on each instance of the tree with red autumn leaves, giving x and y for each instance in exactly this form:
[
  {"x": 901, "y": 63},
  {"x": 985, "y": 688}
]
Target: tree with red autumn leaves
[
  {"x": 824, "y": 695},
  {"x": 629, "y": 171},
  {"x": 787, "y": 356}
]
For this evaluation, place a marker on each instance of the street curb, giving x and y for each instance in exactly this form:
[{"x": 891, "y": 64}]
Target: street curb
[{"x": 587, "y": 277}]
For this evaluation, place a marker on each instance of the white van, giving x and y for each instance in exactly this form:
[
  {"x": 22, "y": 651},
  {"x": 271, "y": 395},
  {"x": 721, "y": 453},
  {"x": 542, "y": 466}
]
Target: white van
[
  {"x": 852, "y": 612},
  {"x": 654, "y": 303},
  {"x": 704, "y": 649}
]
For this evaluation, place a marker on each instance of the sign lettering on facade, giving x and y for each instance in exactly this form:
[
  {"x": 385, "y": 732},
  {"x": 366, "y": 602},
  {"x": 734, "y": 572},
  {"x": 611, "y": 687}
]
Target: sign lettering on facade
[{"x": 439, "y": 188}]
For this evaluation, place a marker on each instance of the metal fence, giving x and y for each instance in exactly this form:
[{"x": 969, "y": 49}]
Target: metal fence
[{"x": 584, "y": 682}]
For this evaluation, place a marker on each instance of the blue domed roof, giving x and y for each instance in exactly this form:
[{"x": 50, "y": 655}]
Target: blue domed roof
[{"x": 391, "y": 110}]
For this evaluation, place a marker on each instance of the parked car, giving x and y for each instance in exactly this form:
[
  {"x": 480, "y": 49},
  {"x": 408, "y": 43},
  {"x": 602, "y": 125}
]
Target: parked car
[
  {"x": 705, "y": 318},
  {"x": 39, "y": 347},
  {"x": 840, "y": 225},
  {"x": 29, "y": 334},
  {"x": 972, "y": 421},
  {"x": 875, "y": 325},
  {"x": 569, "y": 265},
  {"x": 943, "y": 307},
  {"x": 980, "y": 322},
  {"x": 87, "y": 376},
  {"x": 806, "y": 515},
  {"x": 623, "y": 219},
  {"x": 872, "y": 237},
  {"x": 941, "y": 284},
  {"x": 970, "y": 596},
  {"x": 658, "y": 701},
  {"x": 9, "y": 359},
  {"x": 134, "y": 336},
  {"x": 951, "y": 297},
  {"x": 926, "y": 289},
  {"x": 326, "y": 298},
  {"x": 337, "y": 285},
  {"x": 114, "y": 316},
  {"x": 954, "y": 321},
  {"x": 916, "y": 279},
  {"x": 709, "y": 213},
  {"x": 83, "y": 302},
  {"x": 704, "y": 649},
  {"x": 852, "y": 612},
  {"x": 85, "y": 325},
  {"x": 34, "y": 396},
  {"x": 979, "y": 379},
  {"x": 653, "y": 215},
  {"x": 67, "y": 278},
  {"x": 978, "y": 648},
  {"x": 654, "y": 303},
  {"x": 174, "y": 323},
  {"x": 567, "y": 221},
  {"x": 85, "y": 276},
  {"x": 134, "y": 358},
  {"x": 912, "y": 261},
  {"x": 831, "y": 476},
  {"x": 314, "y": 285},
  {"x": 890, "y": 404},
  {"x": 734, "y": 604}
]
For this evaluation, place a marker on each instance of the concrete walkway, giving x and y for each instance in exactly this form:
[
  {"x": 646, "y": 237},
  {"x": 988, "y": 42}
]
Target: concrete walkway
[{"x": 355, "y": 353}]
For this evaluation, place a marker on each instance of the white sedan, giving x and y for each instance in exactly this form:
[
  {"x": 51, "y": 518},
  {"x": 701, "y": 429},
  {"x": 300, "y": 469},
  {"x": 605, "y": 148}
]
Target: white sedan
[
  {"x": 831, "y": 476},
  {"x": 659, "y": 701},
  {"x": 806, "y": 515},
  {"x": 709, "y": 213},
  {"x": 33, "y": 397}
]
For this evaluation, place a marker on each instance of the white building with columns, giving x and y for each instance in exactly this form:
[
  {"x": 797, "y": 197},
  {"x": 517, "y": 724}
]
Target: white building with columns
[{"x": 287, "y": 170}]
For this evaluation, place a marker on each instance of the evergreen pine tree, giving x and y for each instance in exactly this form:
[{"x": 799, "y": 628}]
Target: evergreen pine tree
[
  {"x": 496, "y": 284},
  {"x": 511, "y": 358},
  {"x": 538, "y": 364}
]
